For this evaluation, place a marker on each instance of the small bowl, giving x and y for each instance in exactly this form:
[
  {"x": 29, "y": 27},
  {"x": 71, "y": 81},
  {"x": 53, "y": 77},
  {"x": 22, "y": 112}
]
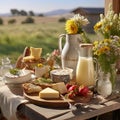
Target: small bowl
[
  {"x": 17, "y": 79},
  {"x": 61, "y": 75}
]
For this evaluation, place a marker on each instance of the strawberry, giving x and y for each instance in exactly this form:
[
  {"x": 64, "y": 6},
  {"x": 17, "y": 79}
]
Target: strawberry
[
  {"x": 71, "y": 94},
  {"x": 83, "y": 91},
  {"x": 68, "y": 86},
  {"x": 72, "y": 88}
]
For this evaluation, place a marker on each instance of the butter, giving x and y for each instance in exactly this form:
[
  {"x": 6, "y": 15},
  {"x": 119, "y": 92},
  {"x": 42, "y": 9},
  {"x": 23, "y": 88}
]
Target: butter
[
  {"x": 60, "y": 87},
  {"x": 48, "y": 93}
]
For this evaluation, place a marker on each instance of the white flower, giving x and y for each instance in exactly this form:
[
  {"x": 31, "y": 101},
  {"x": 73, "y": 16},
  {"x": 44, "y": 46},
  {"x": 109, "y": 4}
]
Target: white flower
[
  {"x": 109, "y": 25},
  {"x": 80, "y": 20}
]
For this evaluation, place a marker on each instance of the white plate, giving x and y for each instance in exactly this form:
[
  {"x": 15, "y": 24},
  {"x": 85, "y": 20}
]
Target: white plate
[{"x": 15, "y": 79}]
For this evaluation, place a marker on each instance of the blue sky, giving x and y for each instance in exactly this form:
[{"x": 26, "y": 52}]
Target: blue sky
[{"x": 42, "y": 6}]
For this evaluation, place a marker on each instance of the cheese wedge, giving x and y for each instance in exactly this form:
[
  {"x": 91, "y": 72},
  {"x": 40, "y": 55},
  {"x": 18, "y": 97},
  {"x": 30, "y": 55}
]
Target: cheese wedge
[
  {"x": 28, "y": 58},
  {"x": 60, "y": 87},
  {"x": 49, "y": 93},
  {"x": 35, "y": 52}
]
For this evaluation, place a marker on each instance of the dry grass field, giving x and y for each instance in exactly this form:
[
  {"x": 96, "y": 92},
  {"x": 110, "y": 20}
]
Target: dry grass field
[
  {"x": 15, "y": 37},
  {"x": 38, "y": 20},
  {"x": 43, "y": 33}
]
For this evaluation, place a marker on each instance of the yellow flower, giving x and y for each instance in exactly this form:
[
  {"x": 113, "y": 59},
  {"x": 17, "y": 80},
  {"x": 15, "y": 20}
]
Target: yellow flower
[
  {"x": 107, "y": 40},
  {"x": 107, "y": 28},
  {"x": 107, "y": 52},
  {"x": 95, "y": 43},
  {"x": 40, "y": 65},
  {"x": 97, "y": 26},
  {"x": 103, "y": 50},
  {"x": 106, "y": 48},
  {"x": 71, "y": 27},
  {"x": 98, "y": 53}
]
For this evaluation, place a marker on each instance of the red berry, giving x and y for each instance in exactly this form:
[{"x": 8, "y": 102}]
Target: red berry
[
  {"x": 83, "y": 91},
  {"x": 72, "y": 88},
  {"x": 71, "y": 95},
  {"x": 68, "y": 86}
]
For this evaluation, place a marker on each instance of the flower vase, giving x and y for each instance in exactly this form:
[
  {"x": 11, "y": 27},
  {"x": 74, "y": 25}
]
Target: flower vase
[
  {"x": 69, "y": 53},
  {"x": 104, "y": 85},
  {"x": 115, "y": 79},
  {"x": 113, "y": 75},
  {"x": 107, "y": 78}
]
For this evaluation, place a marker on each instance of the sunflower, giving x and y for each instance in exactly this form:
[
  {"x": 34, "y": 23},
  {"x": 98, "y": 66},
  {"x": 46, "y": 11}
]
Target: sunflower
[{"x": 71, "y": 27}]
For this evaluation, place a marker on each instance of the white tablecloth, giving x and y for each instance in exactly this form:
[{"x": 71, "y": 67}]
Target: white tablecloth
[{"x": 9, "y": 102}]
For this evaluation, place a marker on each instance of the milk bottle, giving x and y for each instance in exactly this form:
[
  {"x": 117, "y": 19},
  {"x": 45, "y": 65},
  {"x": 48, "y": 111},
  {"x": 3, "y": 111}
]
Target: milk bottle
[{"x": 85, "y": 74}]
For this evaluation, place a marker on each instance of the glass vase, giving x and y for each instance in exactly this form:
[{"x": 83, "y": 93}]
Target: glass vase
[
  {"x": 104, "y": 85},
  {"x": 115, "y": 79},
  {"x": 113, "y": 76}
]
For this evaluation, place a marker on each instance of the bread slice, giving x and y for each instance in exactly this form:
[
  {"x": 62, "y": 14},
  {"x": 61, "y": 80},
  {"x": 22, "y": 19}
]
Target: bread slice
[
  {"x": 31, "y": 88},
  {"x": 60, "y": 86}
]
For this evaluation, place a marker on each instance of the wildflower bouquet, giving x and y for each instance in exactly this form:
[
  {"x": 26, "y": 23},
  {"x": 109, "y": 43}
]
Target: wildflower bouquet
[
  {"x": 107, "y": 52},
  {"x": 75, "y": 25},
  {"x": 109, "y": 25},
  {"x": 54, "y": 58}
]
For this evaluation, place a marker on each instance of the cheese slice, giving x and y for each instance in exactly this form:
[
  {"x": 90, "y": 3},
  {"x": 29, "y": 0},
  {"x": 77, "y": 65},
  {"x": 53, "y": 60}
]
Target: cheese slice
[
  {"x": 60, "y": 86},
  {"x": 48, "y": 93},
  {"x": 35, "y": 52}
]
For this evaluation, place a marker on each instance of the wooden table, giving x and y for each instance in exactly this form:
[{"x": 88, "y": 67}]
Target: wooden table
[
  {"x": 93, "y": 109},
  {"x": 34, "y": 112}
]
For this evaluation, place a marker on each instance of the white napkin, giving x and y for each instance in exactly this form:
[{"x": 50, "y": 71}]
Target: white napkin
[{"x": 9, "y": 103}]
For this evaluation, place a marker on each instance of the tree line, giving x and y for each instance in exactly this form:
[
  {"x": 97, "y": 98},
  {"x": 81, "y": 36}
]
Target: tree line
[{"x": 16, "y": 12}]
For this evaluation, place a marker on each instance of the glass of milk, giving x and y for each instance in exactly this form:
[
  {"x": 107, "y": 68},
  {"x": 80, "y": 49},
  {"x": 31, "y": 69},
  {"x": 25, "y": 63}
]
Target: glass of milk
[{"x": 5, "y": 67}]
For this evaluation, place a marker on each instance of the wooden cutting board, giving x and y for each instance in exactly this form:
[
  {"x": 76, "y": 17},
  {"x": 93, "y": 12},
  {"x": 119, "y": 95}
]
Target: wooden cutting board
[{"x": 54, "y": 103}]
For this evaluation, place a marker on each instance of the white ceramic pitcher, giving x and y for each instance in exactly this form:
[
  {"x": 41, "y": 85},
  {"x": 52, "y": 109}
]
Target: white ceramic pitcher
[{"x": 69, "y": 53}]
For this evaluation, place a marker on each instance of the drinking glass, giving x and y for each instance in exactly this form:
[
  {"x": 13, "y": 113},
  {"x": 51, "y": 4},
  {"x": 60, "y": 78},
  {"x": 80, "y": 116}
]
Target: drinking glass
[{"x": 5, "y": 67}]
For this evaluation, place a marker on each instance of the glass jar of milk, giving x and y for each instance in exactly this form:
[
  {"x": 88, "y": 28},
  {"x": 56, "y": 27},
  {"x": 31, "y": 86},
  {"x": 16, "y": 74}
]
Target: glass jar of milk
[{"x": 85, "y": 74}]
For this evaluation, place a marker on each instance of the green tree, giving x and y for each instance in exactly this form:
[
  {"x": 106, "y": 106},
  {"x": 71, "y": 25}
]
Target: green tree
[
  {"x": 41, "y": 15},
  {"x": 14, "y": 12},
  {"x": 1, "y": 21},
  {"x": 28, "y": 20},
  {"x": 23, "y": 13},
  {"x": 31, "y": 13}
]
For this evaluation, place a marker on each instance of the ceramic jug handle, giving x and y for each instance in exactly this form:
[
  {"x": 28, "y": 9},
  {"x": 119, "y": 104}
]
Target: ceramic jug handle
[{"x": 60, "y": 41}]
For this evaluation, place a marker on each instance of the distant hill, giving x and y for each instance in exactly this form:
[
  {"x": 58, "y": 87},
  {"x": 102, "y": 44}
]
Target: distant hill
[
  {"x": 5, "y": 14},
  {"x": 49, "y": 13},
  {"x": 57, "y": 12}
]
